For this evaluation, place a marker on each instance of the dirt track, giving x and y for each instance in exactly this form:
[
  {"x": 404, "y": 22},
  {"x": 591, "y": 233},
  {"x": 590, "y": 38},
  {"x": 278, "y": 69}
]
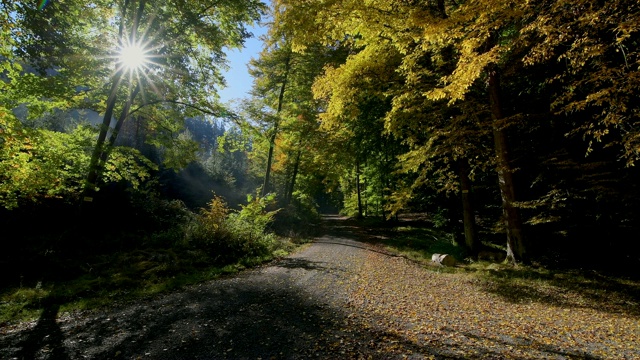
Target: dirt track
[
  {"x": 290, "y": 309},
  {"x": 340, "y": 298}
]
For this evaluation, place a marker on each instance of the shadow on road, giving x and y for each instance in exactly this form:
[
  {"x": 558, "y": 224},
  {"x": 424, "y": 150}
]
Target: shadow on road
[
  {"x": 46, "y": 337},
  {"x": 299, "y": 263}
]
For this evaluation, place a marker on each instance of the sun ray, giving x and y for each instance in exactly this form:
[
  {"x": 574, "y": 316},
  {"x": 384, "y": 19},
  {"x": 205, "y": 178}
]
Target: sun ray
[{"x": 133, "y": 57}]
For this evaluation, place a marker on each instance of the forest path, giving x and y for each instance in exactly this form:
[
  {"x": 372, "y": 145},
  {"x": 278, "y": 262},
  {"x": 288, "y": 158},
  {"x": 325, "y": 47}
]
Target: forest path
[{"x": 337, "y": 298}]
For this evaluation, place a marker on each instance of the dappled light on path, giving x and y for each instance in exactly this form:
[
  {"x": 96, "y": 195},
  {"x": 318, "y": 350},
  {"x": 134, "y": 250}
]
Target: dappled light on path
[{"x": 340, "y": 298}]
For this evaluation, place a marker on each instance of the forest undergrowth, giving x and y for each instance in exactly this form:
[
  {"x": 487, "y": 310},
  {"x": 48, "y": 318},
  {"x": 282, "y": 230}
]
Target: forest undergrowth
[
  {"x": 167, "y": 247},
  {"x": 478, "y": 309},
  {"x": 397, "y": 303}
]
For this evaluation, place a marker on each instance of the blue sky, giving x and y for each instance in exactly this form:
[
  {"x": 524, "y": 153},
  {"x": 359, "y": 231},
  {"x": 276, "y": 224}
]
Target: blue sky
[{"x": 238, "y": 79}]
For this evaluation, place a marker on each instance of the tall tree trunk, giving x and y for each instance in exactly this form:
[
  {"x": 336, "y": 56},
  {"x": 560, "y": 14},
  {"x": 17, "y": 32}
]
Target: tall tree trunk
[
  {"x": 267, "y": 174},
  {"x": 358, "y": 189},
  {"x": 106, "y": 148},
  {"x": 468, "y": 216},
  {"x": 272, "y": 140},
  {"x": 365, "y": 203},
  {"x": 516, "y": 250},
  {"x": 94, "y": 164},
  {"x": 100, "y": 152},
  {"x": 293, "y": 178},
  {"x": 137, "y": 140}
]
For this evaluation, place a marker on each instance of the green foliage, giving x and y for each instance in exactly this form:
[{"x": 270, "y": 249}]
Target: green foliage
[
  {"x": 158, "y": 245},
  {"x": 228, "y": 235},
  {"x": 36, "y": 163},
  {"x": 568, "y": 76},
  {"x": 180, "y": 152},
  {"x": 350, "y": 205},
  {"x": 62, "y": 55},
  {"x": 255, "y": 211},
  {"x": 128, "y": 165},
  {"x": 250, "y": 225},
  {"x": 298, "y": 219}
]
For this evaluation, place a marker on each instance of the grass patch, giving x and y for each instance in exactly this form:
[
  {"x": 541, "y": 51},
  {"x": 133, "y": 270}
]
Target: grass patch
[
  {"x": 565, "y": 288},
  {"x": 418, "y": 244},
  {"x": 189, "y": 249},
  {"x": 22, "y": 303}
]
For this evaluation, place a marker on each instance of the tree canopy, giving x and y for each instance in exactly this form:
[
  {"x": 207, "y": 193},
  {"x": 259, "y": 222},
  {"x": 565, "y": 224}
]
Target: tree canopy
[
  {"x": 522, "y": 87},
  {"x": 62, "y": 56},
  {"x": 511, "y": 119}
]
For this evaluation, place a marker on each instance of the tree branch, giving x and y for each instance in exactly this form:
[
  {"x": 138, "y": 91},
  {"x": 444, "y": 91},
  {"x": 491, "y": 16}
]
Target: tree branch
[{"x": 228, "y": 115}]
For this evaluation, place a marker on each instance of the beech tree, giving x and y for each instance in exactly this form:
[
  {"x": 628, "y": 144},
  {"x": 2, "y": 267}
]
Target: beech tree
[
  {"x": 459, "y": 57},
  {"x": 284, "y": 111},
  {"x": 386, "y": 33},
  {"x": 271, "y": 74},
  {"x": 185, "y": 41},
  {"x": 43, "y": 73}
]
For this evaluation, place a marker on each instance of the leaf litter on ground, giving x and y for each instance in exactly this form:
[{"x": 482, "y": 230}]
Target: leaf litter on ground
[{"x": 457, "y": 315}]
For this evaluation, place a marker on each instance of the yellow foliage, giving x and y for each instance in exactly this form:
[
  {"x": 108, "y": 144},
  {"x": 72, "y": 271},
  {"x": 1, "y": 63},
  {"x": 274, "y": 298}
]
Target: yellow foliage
[{"x": 216, "y": 213}]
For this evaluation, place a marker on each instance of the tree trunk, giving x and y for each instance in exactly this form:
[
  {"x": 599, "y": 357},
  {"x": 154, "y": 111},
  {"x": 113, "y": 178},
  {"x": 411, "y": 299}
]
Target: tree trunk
[
  {"x": 384, "y": 182},
  {"x": 272, "y": 140},
  {"x": 468, "y": 216},
  {"x": 267, "y": 174},
  {"x": 106, "y": 148},
  {"x": 358, "y": 189},
  {"x": 365, "y": 203},
  {"x": 293, "y": 178},
  {"x": 94, "y": 164},
  {"x": 100, "y": 152},
  {"x": 516, "y": 250}
]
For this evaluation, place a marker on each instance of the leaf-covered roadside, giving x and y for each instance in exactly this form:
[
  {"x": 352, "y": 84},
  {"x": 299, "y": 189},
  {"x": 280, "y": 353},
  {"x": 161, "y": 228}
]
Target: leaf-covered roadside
[{"x": 414, "y": 310}]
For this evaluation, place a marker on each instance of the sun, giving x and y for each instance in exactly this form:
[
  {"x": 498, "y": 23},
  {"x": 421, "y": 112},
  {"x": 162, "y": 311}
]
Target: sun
[{"x": 133, "y": 57}]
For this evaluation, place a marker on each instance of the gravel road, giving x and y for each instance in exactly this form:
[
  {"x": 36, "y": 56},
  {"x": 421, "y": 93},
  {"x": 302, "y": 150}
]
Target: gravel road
[
  {"x": 339, "y": 298},
  {"x": 289, "y": 309}
]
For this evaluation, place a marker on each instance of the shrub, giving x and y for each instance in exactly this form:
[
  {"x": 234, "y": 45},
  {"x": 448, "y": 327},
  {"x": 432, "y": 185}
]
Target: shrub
[
  {"x": 295, "y": 219},
  {"x": 250, "y": 225},
  {"x": 228, "y": 236}
]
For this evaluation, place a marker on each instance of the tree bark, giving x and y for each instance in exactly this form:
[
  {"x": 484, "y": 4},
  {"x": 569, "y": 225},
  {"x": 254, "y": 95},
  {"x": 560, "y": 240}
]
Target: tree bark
[
  {"x": 106, "y": 148},
  {"x": 358, "y": 189},
  {"x": 272, "y": 140},
  {"x": 100, "y": 152},
  {"x": 293, "y": 178},
  {"x": 92, "y": 176},
  {"x": 516, "y": 250},
  {"x": 468, "y": 216},
  {"x": 267, "y": 174},
  {"x": 365, "y": 203}
]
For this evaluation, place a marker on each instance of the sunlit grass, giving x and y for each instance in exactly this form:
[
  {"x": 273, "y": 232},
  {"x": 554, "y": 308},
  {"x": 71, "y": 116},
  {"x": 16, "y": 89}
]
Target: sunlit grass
[
  {"x": 23, "y": 303},
  {"x": 418, "y": 244}
]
